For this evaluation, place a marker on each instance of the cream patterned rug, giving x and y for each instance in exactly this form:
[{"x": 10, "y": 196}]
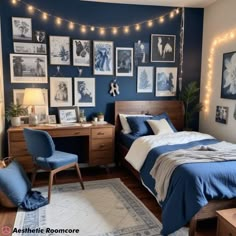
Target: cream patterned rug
[{"x": 104, "y": 208}]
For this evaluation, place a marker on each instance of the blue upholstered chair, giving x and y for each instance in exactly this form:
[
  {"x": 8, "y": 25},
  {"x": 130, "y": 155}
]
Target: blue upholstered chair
[{"x": 42, "y": 149}]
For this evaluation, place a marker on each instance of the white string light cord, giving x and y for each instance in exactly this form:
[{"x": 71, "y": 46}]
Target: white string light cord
[{"x": 102, "y": 30}]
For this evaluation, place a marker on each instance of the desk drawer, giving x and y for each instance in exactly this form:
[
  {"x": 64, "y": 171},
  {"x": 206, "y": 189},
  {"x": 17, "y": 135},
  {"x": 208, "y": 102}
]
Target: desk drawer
[
  {"x": 225, "y": 229},
  {"x": 69, "y": 132},
  {"x": 102, "y": 144},
  {"x": 18, "y": 149},
  {"x": 16, "y": 136},
  {"x": 102, "y": 133},
  {"x": 101, "y": 157}
]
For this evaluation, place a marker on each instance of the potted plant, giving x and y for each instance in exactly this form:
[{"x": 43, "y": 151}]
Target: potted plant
[
  {"x": 190, "y": 97},
  {"x": 13, "y": 113},
  {"x": 100, "y": 116}
]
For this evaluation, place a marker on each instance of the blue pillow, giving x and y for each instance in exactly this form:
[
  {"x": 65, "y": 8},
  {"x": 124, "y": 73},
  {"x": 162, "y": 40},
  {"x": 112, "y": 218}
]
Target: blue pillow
[
  {"x": 165, "y": 116},
  {"x": 139, "y": 125},
  {"x": 14, "y": 183}
]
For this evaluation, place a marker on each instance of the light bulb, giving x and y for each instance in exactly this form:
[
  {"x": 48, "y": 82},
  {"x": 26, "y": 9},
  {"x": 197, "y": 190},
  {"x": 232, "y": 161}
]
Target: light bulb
[
  {"x": 71, "y": 26},
  {"x": 137, "y": 27},
  {"x": 58, "y": 21},
  {"x": 161, "y": 20},
  {"x": 83, "y": 29},
  {"x": 114, "y": 30},
  {"x": 92, "y": 28},
  {"x": 126, "y": 30},
  {"x": 172, "y": 14},
  {"x": 45, "y": 16},
  {"x": 102, "y": 31},
  {"x": 150, "y": 23},
  {"x": 30, "y": 9}
]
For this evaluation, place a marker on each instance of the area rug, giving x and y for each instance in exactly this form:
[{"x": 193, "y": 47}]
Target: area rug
[{"x": 104, "y": 208}]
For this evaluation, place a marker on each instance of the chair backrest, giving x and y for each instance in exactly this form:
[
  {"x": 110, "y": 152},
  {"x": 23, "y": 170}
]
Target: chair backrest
[{"x": 39, "y": 143}]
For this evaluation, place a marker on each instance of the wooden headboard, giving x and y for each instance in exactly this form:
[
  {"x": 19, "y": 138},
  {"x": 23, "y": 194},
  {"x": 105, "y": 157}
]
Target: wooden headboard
[{"x": 175, "y": 110}]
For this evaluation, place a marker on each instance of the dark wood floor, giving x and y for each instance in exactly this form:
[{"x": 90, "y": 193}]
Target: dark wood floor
[{"x": 7, "y": 216}]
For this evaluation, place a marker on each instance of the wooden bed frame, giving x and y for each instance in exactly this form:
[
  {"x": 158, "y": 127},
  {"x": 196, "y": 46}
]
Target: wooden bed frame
[{"x": 175, "y": 110}]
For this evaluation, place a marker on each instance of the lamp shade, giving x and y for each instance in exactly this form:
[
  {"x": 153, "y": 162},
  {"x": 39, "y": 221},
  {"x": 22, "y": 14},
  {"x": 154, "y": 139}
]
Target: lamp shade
[{"x": 33, "y": 97}]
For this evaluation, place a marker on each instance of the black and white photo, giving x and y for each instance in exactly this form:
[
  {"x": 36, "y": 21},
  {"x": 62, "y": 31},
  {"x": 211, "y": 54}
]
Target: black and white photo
[
  {"x": 39, "y": 36},
  {"x": 60, "y": 91},
  {"x": 222, "y": 114},
  {"x": 52, "y": 119},
  {"x": 145, "y": 79},
  {"x": 124, "y": 61},
  {"x": 59, "y": 50},
  {"x": 163, "y": 48},
  {"x": 84, "y": 92},
  {"x": 67, "y": 115},
  {"x": 30, "y": 48},
  {"x": 22, "y": 28},
  {"x": 81, "y": 52},
  {"x": 103, "y": 58},
  {"x": 166, "y": 81},
  {"x": 228, "y": 84},
  {"x": 28, "y": 68},
  {"x": 141, "y": 52}
]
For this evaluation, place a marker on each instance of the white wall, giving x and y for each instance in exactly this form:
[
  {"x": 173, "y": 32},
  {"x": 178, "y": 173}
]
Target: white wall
[
  {"x": 2, "y": 119},
  {"x": 219, "y": 19}
]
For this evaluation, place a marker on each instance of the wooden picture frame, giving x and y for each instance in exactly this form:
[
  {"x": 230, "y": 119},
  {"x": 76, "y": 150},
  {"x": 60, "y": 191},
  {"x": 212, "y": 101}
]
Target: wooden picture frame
[
  {"x": 22, "y": 28},
  {"x": 67, "y": 115},
  {"x": 124, "y": 62},
  {"x": 81, "y": 52}
]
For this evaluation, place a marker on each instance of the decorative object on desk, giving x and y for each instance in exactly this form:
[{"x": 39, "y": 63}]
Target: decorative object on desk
[
  {"x": 52, "y": 119},
  {"x": 84, "y": 92},
  {"x": 60, "y": 91},
  {"x": 13, "y": 113},
  {"x": 124, "y": 61},
  {"x": 145, "y": 79},
  {"x": 67, "y": 115},
  {"x": 100, "y": 116},
  {"x": 82, "y": 117},
  {"x": 222, "y": 114},
  {"x": 115, "y": 90},
  {"x": 141, "y": 52},
  {"x": 81, "y": 52},
  {"x": 22, "y": 28},
  {"x": 28, "y": 68},
  {"x": 190, "y": 97},
  {"x": 33, "y": 97},
  {"x": 166, "y": 80},
  {"x": 59, "y": 50}
]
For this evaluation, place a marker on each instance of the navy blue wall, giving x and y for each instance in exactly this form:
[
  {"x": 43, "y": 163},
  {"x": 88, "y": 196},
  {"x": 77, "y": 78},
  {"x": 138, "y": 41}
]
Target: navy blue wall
[{"x": 100, "y": 14}]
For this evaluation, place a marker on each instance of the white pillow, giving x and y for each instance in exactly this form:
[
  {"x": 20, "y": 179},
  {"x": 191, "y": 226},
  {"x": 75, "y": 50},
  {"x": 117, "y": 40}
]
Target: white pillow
[
  {"x": 160, "y": 126},
  {"x": 124, "y": 123}
]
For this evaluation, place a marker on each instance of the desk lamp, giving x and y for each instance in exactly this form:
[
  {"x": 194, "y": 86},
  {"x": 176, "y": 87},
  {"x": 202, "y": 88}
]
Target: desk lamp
[{"x": 33, "y": 97}]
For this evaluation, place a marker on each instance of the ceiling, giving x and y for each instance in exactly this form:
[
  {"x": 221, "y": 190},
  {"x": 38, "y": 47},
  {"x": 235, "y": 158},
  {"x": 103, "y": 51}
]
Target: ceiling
[{"x": 171, "y": 3}]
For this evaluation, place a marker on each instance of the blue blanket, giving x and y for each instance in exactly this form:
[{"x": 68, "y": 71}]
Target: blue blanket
[{"x": 191, "y": 185}]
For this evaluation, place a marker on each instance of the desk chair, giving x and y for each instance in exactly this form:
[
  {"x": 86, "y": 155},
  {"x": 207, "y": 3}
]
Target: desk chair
[{"x": 42, "y": 148}]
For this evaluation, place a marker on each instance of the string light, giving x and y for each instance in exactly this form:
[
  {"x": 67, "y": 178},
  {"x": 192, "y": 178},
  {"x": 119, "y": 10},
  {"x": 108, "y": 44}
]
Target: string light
[
  {"x": 102, "y": 30},
  {"x": 83, "y": 29},
  {"x": 71, "y": 26},
  {"x": 114, "y": 30}
]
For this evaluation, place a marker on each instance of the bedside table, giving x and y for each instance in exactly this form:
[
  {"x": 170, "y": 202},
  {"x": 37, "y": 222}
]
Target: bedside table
[{"x": 226, "y": 223}]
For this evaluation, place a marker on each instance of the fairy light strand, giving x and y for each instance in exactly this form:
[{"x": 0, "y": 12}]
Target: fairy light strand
[{"x": 101, "y": 29}]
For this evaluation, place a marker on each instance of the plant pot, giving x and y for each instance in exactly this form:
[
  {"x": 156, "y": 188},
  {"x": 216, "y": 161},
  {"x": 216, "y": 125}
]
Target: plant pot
[
  {"x": 15, "y": 121},
  {"x": 100, "y": 117}
]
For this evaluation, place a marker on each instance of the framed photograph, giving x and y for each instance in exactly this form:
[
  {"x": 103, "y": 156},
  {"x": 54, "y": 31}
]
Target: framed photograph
[
  {"x": 41, "y": 111},
  {"x": 52, "y": 119},
  {"x": 22, "y": 28},
  {"x": 228, "y": 84},
  {"x": 84, "y": 92},
  {"x": 28, "y": 68},
  {"x": 103, "y": 58},
  {"x": 163, "y": 48},
  {"x": 145, "y": 79},
  {"x": 166, "y": 80},
  {"x": 59, "y": 50},
  {"x": 28, "y": 48},
  {"x": 81, "y": 52},
  {"x": 141, "y": 52},
  {"x": 67, "y": 115},
  {"x": 222, "y": 114},
  {"x": 60, "y": 91},
  {"x": 124, "y": 62},
  {"x": 39, "y": 36}
]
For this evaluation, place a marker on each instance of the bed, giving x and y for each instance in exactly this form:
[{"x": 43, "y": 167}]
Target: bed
[{"x": 175, "y": 111}]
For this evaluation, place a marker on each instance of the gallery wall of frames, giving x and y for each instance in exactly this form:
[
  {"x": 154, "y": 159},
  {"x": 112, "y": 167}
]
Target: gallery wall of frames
[{"x": 77, "y": 65}]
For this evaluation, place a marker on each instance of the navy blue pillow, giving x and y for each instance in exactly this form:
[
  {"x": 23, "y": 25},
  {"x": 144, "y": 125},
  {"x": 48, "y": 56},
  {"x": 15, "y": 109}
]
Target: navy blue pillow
[
  {"x": 164, "y": 116},
  {"x": 139, "y": 125}
]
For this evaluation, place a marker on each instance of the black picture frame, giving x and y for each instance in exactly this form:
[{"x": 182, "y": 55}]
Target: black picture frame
[
  {"x": 67, "y": 115},
  {"x": 228, "y": 82},
  {"x": 222, "y": 114},
  {"x": 39, "y": 36},
  {"x": 22, "y": 28}
]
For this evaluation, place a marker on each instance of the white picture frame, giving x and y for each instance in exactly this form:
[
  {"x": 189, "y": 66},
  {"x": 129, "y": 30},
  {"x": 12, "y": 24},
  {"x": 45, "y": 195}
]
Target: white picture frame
[
  {"x": 28, "y": 68},
  {"x": 166, "y": 81},
  {"x": 59, "y": 50},
  {"x": 60, "y": 91},
  {"x": 84, "y": 92},
  {"x": 22, "y": 28},
  {"x": 124, "y": 62},
  {"x": 30, "y": 48},
  {"x": 145, "y": 79},
  {"x": 103, "y": 58},
  {"x": 81, "y": 52},
  {"x": 40, "y": 111},
  {"x": 67, "y": 115},
  {"x": 163, "y": 48},
  {"x": 52, "y": 119}
]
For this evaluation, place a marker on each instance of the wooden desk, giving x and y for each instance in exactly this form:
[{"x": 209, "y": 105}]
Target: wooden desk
[{"x": 100, "y": 142}]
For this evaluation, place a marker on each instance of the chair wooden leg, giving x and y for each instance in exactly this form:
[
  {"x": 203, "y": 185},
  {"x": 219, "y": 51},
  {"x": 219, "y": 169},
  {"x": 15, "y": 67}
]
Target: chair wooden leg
[
  {"x": 33, "y": 177},
  {"x": 79, "y": 174},
  {"x": 50, "y": 185}
]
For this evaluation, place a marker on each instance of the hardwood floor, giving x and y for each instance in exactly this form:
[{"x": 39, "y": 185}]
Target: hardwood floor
[{"x": 7, "y": 216}]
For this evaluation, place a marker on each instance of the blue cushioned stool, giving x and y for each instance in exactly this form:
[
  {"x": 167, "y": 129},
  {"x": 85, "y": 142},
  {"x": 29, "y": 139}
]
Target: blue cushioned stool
[{"x": 42, "y": 149}]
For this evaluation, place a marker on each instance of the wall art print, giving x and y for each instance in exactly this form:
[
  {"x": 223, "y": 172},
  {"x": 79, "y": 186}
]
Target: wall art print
[
  {"x": 22, "y": 28},
  {"x": 222, "y": 114},
  {"x": 81, "y": 52},
  {"x": 141, "y": 52},
  {"x": 145, "y": 79},
  {"x": 124, "y": 61}
]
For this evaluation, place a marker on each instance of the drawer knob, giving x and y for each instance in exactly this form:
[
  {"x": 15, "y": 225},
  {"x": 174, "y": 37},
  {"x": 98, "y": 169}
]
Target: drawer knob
[
  {"x": 102, "y": 145},
  {"x": 230, "y": 234},
  {"x": 100, "y": 133},
  {"x": 77, "y": 132}
]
